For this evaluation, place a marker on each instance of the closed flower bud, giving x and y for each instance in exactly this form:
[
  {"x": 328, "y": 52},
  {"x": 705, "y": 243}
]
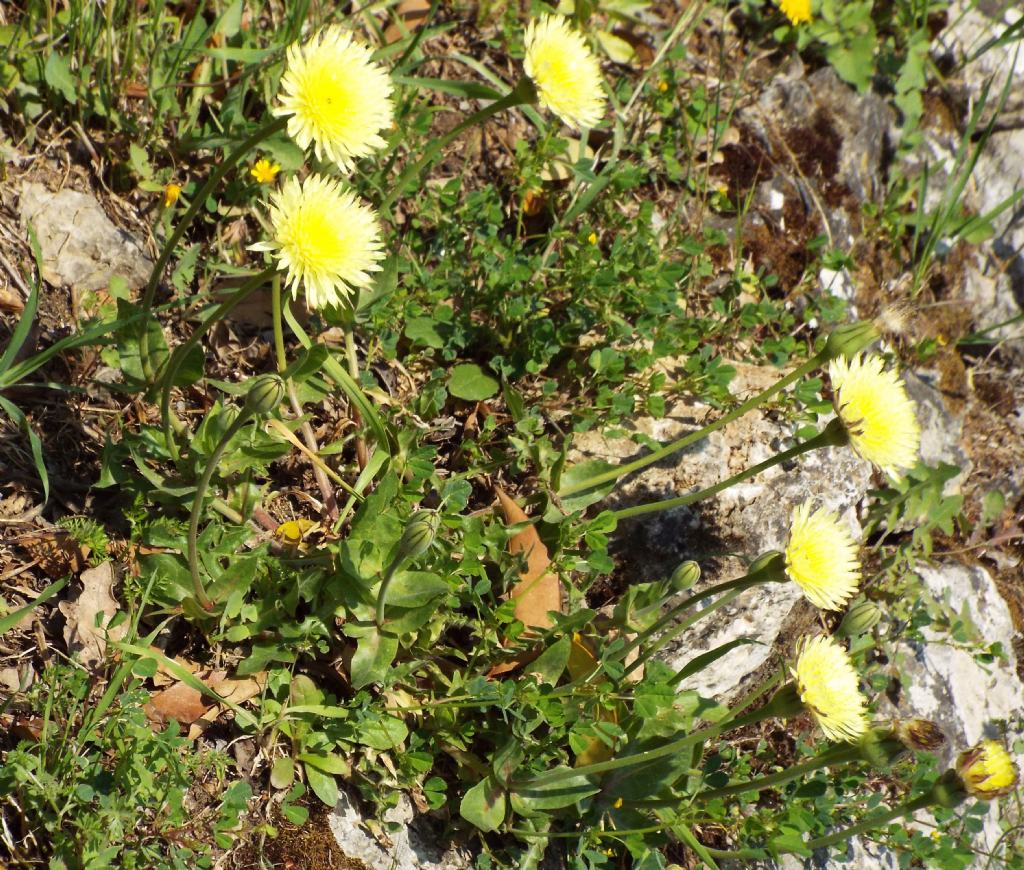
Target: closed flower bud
[
  {"x": 685, "y": 575},
  {"x": 418, "y": 535},
  {"x": 987, "y": 771},
  {"x": 265, "y": 393},
  {"x": 880, "y": 748},
  {"x": 919, "y": 735},
  {"x": 850, "y": 338},
  {"x": 859, "y": 619}
]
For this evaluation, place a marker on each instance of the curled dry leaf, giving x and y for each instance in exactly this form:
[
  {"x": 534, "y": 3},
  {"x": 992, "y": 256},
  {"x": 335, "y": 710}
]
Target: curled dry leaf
[
  {"x": 413, "y": 14},
  {"x": 187, "y": 705},
  {"x": 537, "y": 593},
  {"x": 89, "y": 615}
]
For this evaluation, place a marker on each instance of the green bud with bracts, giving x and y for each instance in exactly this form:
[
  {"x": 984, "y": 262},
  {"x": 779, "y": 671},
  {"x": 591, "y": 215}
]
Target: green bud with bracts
[{"x": 265, "y": 393}]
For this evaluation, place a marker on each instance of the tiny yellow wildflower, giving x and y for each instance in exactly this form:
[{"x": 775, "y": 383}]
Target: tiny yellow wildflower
[
  {"x": 829, "y": 687},
  {"x": 618, "y": 803},
  {"x": 592, "y": 238},
  {"x": 327, "y": 241},
  {"x": 987, "y": 770},
  {"x": 264, "y": 171},
  {"x": 337, "y": 98},
  {"x": 171, "y": 193},
  {"x": 663, "y": 86},
  {"x": 821, "y": 558},
  {"x": 565, "y": 71},
  {"x": 873, "y": 405},
  {"x": 797, "y": 11}
]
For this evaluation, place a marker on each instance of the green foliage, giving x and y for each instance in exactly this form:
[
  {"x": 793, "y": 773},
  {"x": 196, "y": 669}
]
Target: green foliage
[{"x": 103, "y": 789}]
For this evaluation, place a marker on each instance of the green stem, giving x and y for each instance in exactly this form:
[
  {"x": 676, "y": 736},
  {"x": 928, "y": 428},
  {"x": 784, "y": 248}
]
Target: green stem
[
  {"x": 871, "y": 823},
  {"x": 836, "y": 755},
  {"x": 659, "y": 454},
  {"x": 382, "y": 594},
  {"x": 182, "y": 351},
  {"x": 197, "y": 506},
  {"x": 833, "y": 435},
  {"x": 672, "y": 748},
  {"x": 199, "y": 202},
  {"x": 275, "y": 315},
  {"x": 738, "y": 585},
  {"x": 733, "y": 590},
  {"x": 523, "y": 93}
]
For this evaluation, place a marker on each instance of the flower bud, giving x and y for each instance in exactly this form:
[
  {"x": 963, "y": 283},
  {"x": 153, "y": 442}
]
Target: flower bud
[
  {"x": 880, "y": 749},
  {"x": 685, "y": 575},
  {"x": 849, "y": 339},
  {"x": 418, "y": 535},
  {"x": 265, "y": 393},
  {"x": 987, "y": 771},
  {"x": 919, "y": 735},
  {"x": 859, "y": 619}
]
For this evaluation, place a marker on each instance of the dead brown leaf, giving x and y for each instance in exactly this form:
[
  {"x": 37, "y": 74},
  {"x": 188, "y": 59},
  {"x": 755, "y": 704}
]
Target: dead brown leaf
[
  {"x": 187, "y": 705},
  {"x": 413, "y": 14},
  {"x": 89, "y": 615},
  {"x": 537, "y": 592}
]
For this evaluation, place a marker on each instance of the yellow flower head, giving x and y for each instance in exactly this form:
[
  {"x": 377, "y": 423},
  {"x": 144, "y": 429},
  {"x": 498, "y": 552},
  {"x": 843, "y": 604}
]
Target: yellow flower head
[
  {"x": 797, "y": 11},
  {"x": 829, "y": 687},
  {"x": 873, "y": 405},
  {"x": 324, "y": 238},
  {"x": 337, "y": 97},
  {"x": 171, "y": 193},
  {"x": 264, "y": 171},
  {"x": 987, "y": 770},
  {"x": 821, "y": 558},
  {"x": 565, "y": 71}
]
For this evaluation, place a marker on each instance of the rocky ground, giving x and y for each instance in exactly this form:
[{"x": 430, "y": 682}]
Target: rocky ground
[{"x": 812, "y": 154}]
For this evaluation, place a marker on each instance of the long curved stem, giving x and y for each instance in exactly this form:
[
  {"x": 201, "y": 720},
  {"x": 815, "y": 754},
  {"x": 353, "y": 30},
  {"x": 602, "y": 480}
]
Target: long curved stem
[
  {"x": 181, "y": 352},
  {"x": 871, "y": 823},
  {"x": 659, "y": 454},
  {"x": 832, "y": 435},
  {"x": 199, "y": 202},
  {"x": 197, "y": 505}
]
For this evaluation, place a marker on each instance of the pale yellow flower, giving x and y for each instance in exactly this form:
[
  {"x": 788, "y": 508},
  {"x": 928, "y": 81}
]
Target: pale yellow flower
[
  {"x": 797, "y": 11},
  {"x": 324, "y": 238},
  {"x": 876, "y": 411},
  {"x": 821, "y": 557},
  {"x": 264, "y": 171},
  {"x": 337, "y": 98},
  {"x": 171, "y": 193},
  {"x": 565, "y": 71},
  {"x": 828, "y": 686},
  {"x": 987, "y": 770}
]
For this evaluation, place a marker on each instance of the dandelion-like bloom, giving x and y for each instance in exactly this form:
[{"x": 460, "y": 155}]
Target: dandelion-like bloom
[
  {"x": 264, "y": 171},
  {"x": 338, "y": 98},
  {"x": 171, "y": 193},
  {"x": 828, "y": 686},
  {"x": 821, "y": 557},
  {"x": 326, "y": 240},
  {"x": 876, "y": 411},
  {"x": 797, "y": 11},
  {"x": 987, "y": 770},
  {"x": 565, "y": 71}
]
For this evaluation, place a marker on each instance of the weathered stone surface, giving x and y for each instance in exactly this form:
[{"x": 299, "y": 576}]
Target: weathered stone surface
[
  {"x": 749, "y": 518},
  {"x": 80, "y": 245},
  {"x": 941, "y": 430},
  {"x": 414, "y": 844}
]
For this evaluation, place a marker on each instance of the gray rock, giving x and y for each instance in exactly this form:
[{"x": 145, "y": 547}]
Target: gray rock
[
  {"x": 80, "y": 245},
  {"x": 412, "y": 845},
  {"x": 941, "y": 429},
  {"x": 750, "y": 518}
]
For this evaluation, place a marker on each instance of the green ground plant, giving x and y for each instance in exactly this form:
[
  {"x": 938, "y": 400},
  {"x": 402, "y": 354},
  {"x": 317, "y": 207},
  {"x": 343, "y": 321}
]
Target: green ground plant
[{"x": 384, "y": 627}]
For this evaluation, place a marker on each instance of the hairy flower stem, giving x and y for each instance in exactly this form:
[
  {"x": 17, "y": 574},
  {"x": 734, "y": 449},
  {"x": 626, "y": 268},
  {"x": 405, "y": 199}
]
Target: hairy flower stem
[
  {"x": 833, "y": 435},
  {"x": 674, "y": 747},
  {"x": 197, "y": 505},
  {"x": 523, "y": 93},
  {"x": 693, "y": 437},
  {"x": 874, "y": 822},
  {"x": 728, "y": 591},
  {"x": 181, "y": 353},
  {"x": 198, "y": 203},
  {"x": 275, "y": 316},
  {"x": 362, "y": 454},
  {"x": 833, "y": 756}
]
